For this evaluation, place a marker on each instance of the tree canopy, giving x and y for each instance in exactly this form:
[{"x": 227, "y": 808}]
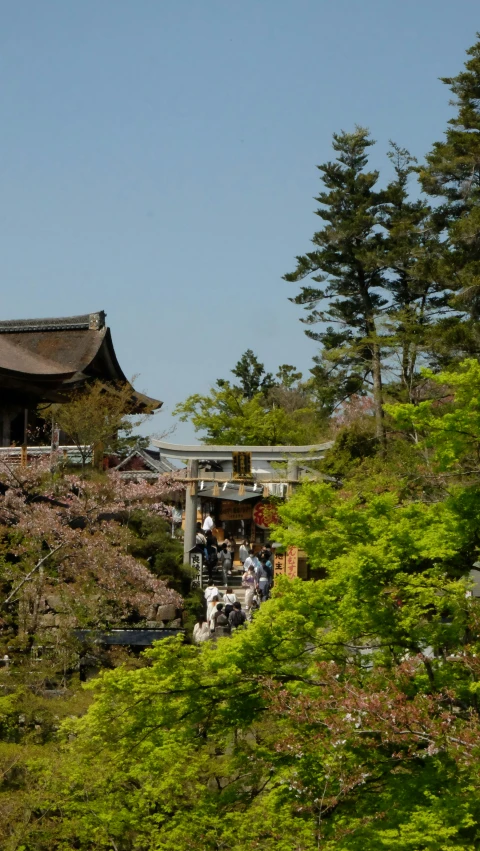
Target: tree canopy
[
  {"x": 338, "y": 717},
  {"x": 258, "y": 411}
]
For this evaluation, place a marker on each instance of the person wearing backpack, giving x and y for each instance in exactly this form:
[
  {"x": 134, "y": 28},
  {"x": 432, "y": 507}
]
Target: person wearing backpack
[
  {"x": 228, "y": 599},
  {"x": 222, "y": 626},
  {"x": 237, "y": 617}
]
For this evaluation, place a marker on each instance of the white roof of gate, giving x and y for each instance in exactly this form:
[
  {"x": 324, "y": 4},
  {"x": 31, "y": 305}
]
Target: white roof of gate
[{"x": 212, "y": 452}]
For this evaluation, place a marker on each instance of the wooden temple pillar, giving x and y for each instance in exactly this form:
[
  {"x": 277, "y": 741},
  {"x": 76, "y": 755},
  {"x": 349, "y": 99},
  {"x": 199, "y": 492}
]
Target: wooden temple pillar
[
  {"x": 191, "y": 498},
  {"x": 292, "y": 475},
  {"x": 6, "y": 417}
]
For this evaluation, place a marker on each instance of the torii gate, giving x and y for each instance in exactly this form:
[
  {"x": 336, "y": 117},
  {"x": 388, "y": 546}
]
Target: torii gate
[{"x": 240, "y": 464}]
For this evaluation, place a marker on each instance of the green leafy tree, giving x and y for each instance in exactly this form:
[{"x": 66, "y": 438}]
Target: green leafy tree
[
  {"x": 337, "y": 718},
  {"x": 258, "y": 411},
  {"x": 226, "y": 416},
  {"x": 447, "y": 429},
  {"x": 93, "y": 417}
]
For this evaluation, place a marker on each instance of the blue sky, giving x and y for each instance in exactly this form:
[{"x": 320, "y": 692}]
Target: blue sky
[{"x": 157, "y": 160}]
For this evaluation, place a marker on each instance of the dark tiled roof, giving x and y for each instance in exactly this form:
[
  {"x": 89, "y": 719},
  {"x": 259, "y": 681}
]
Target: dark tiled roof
[
  {"x": 43, "y": 357},
  {"x": 85, "y": 322},
  {"x": 50, "y": 351}
]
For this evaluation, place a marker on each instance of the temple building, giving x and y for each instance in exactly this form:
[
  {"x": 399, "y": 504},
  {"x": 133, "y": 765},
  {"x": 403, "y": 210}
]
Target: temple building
[
  {"x": 44, "y": 360},
  {"x": 239, "y": 487}
]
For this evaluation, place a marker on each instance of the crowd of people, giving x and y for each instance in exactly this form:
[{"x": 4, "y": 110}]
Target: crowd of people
[
  {"x": 224, "y": 612},
  {"x": 206, "y": 543}
]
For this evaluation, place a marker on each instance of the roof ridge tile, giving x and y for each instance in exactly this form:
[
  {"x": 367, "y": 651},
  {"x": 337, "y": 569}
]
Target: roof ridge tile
[{"x": 85, "y": 321}]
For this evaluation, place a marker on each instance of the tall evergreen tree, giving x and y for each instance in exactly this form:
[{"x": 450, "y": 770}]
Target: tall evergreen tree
[
  {"x": 452, "y": 174},
  {"x": 252, "y": 376},
  {"x": 418, "y": 297},
  {"x": 348, "y": 262}
]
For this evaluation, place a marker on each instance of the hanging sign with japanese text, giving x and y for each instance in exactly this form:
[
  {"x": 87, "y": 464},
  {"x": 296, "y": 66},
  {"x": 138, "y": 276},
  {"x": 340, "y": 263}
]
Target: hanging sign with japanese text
[
  {"x": 230, "y": 510},
  {"x": 242, "y": 465},
  {"x": 291, "y": 565}
]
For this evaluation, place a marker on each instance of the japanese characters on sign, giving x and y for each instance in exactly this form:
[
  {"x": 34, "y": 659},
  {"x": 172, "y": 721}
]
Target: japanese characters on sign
[
  {"x": 291, "y": 565},
  {"x": 196, "y": 561},
  {"x": 242, "y": 465},
  {"x": 235, "y": 510},
  {"x": 279, "y": 564},
  {"x": 265, "y": 515}
]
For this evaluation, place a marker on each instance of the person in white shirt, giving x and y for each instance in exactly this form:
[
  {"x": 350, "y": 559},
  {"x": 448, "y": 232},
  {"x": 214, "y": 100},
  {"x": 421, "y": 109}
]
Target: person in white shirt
[
  {"x": 208, "y": 523},
  {"x": 243, "y": 552},
  {"x": 201, "y": 630},
  {"x": 249, "y": 560},
  {"x": 211, "y": 591},
  {"x": 212, "y": 607},
  {"x": 252, "y": 561},
  {"x": 200, "y": 539},
  {"x": 228, "y": 599}
]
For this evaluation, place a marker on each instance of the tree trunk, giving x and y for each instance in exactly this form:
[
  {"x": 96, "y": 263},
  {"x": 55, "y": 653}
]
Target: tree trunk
[
  {"x": 378, "y": 395},
  {"x": 376, "y": 365}
]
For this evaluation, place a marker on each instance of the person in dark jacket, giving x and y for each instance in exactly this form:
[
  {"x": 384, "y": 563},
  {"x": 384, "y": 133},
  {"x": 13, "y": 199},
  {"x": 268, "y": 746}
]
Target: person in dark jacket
[{"x": 237, "y": 617}]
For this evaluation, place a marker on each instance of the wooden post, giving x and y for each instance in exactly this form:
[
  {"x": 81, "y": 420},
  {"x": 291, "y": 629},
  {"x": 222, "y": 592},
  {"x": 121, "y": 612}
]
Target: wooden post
[
  {"x": 190, "y": 511},
  {"x": 292, "y": 475},
  {"x": 98, "y": 452},
  {"x": 24, "y": 456},
  {"x": 292, "y": 470}
]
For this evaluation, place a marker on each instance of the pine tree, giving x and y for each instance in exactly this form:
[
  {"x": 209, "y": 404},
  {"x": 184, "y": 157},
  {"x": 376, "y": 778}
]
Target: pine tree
[
  {"x": 348, "y": 262},
  {"x": 252, "y": 375},
  {"x": 452, "y": 173},
  {"x": 418, "y": 297}
]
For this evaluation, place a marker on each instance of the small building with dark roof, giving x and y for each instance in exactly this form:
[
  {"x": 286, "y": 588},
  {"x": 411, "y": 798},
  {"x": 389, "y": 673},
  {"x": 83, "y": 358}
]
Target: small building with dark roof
[{"x": 44, "y": 360}]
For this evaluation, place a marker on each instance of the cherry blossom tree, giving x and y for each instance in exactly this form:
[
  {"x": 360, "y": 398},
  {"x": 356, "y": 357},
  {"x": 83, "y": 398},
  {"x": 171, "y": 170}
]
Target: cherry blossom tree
[{"x": 66, "y": 536}]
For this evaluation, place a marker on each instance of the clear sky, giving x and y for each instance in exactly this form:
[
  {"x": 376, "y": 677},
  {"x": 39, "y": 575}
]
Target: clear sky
[{"x": 157, "y": 160}]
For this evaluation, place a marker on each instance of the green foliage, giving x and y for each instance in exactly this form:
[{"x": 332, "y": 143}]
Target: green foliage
[
  {"x": 153, "y": 543},
  {"x": 226, "y": 416},
  {"x": 450, "y": 428},
  {"x": 337, "y": 719},
  {"x": 252, "y": 375},
  {"x": 351, "y": 446},
  {"x": 93, "y": 417},
  {"x": 288, "y": 376}
]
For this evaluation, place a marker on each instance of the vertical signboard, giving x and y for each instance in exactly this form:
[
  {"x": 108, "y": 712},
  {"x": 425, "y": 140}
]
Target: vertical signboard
[
  {"x": 291, "y": 565},
  {"x": 242, "y": 465},
  {"x": 196, "y": 561},
  {"x": 279, "y": 564}
]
